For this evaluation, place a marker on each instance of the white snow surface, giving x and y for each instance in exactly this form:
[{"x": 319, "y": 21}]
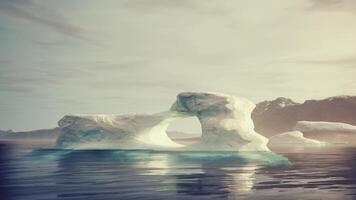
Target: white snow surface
[
  {"x": 226, "y": 125},
  {"x": 322, "y": 126},
  {"x": 293, "y": 139}
]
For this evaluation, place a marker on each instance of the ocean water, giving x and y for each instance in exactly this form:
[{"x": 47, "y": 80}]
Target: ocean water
[{"x": 34, "y": 174}]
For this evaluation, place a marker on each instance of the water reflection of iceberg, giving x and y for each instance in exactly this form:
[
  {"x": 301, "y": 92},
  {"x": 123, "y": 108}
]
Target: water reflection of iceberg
[
  {"x": 209, "y": 173},
  {"x": 241, "y": 178},
  {"x": 224, "y": 174},
  {"x": 222, "y": 181},
  {"x": 157, "y": 165},
  {"x": 165, "y": 164},
  {"x": 202, "y": 173}
]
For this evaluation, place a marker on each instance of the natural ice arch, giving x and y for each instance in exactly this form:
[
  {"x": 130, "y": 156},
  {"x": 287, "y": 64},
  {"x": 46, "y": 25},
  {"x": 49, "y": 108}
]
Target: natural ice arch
[
  {"x": 226, "y": 125},
  {"x": 226, "y": 121},
  {"x": 187, "y": 127}
]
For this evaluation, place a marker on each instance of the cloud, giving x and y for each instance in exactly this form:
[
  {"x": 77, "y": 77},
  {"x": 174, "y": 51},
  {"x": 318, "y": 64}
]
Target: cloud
[
  {"x": 334, "y": 5},
  {"x": 141, "y": 84},
  {"x": 152, "y": 49},
  {"x": 35, "y": 76},
  {"x": 151, "y": 4},
  {"x": 5, "y": 62},
  {"x": 200, "y": 6},
  {"x": 122, "y": 65},
  {"x": 22, "y": 84},
  {"x": 346, "y": 62},
  {"x": 43, "y": 15},
  {"x": 49, "y": 44}
]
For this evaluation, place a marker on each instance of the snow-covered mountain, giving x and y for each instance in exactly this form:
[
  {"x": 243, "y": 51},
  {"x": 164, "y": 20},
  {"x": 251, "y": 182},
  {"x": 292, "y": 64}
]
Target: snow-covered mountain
[
  {"x": 282, "y": 114},
  {"x": 276, "y": 104}
]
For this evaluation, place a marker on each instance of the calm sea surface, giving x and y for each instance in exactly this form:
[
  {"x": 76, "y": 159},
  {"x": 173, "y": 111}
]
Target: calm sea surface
[{"x": 30, "y": 174}]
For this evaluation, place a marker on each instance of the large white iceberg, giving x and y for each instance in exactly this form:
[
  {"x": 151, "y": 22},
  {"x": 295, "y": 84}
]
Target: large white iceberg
[
  {"x": 293, "y": 139},
  {"x": 226, "y": 125},
  {"x": 225, "y": 120}
]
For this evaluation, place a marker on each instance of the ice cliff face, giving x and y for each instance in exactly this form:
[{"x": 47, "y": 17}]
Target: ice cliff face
[{"x": 225, "y": 120}]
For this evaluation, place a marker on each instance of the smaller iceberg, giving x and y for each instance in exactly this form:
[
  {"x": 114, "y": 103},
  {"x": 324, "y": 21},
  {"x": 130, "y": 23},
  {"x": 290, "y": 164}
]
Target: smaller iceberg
[
  {"x": 322, "y": 126},
  {"x": 332, "y": 132},
  {"x": 293, "y": 139}
]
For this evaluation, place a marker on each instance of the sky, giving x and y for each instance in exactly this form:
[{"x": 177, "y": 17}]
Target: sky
[{"x": 135, "y": 56}]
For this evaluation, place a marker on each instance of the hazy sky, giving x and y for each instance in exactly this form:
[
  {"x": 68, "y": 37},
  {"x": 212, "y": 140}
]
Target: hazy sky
[{"x": 122, "y": 56}]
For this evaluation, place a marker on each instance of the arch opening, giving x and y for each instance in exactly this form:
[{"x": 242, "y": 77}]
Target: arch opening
[{"x": 185, "y": 130}]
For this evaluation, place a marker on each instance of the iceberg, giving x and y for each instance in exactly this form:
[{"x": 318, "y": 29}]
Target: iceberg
[
  {"x": 331, "y": 132},
  {"x": 293, "y": 139},
  {"x": 322, "y": 126},
  {"x": 136, "y": 131},
  {"x": 225, "y": 120}
]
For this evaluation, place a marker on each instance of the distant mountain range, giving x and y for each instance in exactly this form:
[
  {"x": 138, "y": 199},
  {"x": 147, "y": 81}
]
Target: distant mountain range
[
  {"x": 270, "y": 117},
  {"x": 282, "y": 114}
]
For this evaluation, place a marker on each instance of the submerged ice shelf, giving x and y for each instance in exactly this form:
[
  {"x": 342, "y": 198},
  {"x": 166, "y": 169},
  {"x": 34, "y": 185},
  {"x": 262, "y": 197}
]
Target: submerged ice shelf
[{"x": 225, "y": 120}]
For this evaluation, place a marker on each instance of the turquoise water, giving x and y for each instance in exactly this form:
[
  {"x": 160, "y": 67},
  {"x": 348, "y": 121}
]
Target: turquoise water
[{"x": 105, "y": 174}]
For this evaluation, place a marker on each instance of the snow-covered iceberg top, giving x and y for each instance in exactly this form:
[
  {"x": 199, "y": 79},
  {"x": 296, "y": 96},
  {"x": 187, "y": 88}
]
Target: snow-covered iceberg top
[
  {"x": 293, "y": 139},
  {"x": 226, "y": 125},
  {"x": 321, "y": 126},
  {"x": 136, "y": 131}
]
